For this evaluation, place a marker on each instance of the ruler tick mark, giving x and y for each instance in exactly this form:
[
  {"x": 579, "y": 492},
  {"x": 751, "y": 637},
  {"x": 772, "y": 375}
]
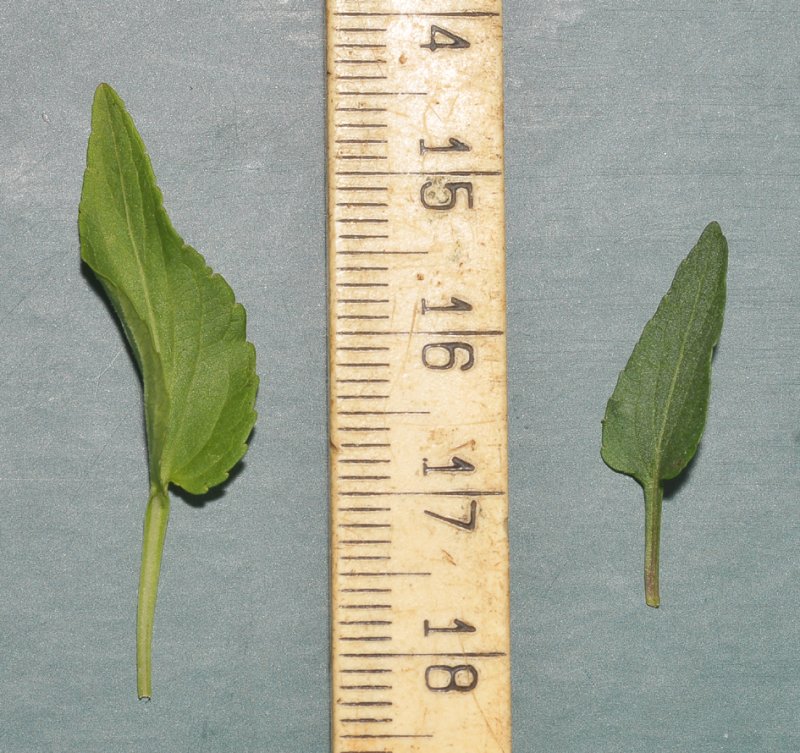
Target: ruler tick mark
[
  {"x": 361, "y": 237},
  {"x": 365, "y": 542},
  {"x": 362, "y": 366},
  {"x": 366, "y": 671},
  {"x": 362, "y": 204},
  {"x": 365, "y": 638},
  {"x": 383, "y": 737},
  {"x": 383, "y": 413},
  {"x": 366, "y": 721},
  {"x": 362, "y": 558},
  {"x": 354, "y": 316},
  {"x": 406, "y": 333},
  {"x": 365, "y": 703},
  {"x": 384, "y": 574},
  {"x": 365, "y": 461},
  {"x": 382, "y": 94},
  {"x": 363, "y": 381},
  {"x": 364, "y": 349},
  {"x": 454, "y": 493},
  {"x": 359, "y": 220},
  {"x": 366, "y": 429},
  {"x": 361, "y": 78},
  {"x": 421, "y": 14},
  {"x": 363, "y": 269},
  {"x": 362, "y": 300},
  {"x": 365, "y": 687},
  {"x": 364, "y": 510},
  {"x": 382, "y": 253},
  {"x": 458, "y": 173},
  {"x": 373, "y": 61},
  {"x": 441, "y": 654},
  {"x": 362, "y": 397},
  {"x": 363, "y": 478}
]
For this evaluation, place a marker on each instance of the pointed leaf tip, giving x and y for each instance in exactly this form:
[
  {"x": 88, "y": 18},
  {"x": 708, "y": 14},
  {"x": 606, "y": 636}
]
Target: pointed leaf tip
[{"x": 106, "y": 92}]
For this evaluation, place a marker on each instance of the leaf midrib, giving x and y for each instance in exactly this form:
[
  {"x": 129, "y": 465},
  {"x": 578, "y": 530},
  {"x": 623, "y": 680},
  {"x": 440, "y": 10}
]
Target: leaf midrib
[
  {"x": 674, "y": 381},
  {"x": 183, "y": 404},
  {"x": 142, "y": 276}
]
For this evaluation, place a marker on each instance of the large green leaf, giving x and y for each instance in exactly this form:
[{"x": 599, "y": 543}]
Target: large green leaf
[
  {"x": 185, "y": 328},
  {"x": 655, "y": 417}
]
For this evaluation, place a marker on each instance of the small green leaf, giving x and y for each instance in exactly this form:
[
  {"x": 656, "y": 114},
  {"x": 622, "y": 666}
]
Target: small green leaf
[
  {"x": 184, "y": 326},
  {"x": 655, "y": 418}
]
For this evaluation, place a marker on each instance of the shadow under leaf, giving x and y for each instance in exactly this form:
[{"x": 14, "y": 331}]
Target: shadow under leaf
[
  {"x": 674, "y": 485},
  {"x": 212, "y": 495},
  {"x": 95, "y": 284}
]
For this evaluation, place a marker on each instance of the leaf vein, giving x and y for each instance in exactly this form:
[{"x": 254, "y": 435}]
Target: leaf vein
[{"x": 678, "y": 366}]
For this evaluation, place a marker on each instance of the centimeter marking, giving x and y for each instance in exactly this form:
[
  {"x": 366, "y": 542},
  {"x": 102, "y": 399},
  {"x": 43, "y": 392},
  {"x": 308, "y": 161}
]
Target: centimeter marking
[{"x": 418, "y": 421}]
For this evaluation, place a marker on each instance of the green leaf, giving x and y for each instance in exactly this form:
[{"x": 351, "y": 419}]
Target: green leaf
[
  {"x": 656, "y": 416},
  {"x": 185, "y": 328}
]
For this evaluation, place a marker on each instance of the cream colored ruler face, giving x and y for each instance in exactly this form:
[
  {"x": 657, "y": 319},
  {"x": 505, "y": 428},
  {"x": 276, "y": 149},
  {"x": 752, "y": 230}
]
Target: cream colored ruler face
[{"x": 420, "y": 621}]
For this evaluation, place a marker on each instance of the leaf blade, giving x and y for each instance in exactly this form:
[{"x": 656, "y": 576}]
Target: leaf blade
[
  {"x": 186, "y": 330},
  {"x": 656, "y": 415}
]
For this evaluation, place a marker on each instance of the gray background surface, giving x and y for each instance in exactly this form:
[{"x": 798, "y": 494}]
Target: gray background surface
[{"x": 630, "y": 124}]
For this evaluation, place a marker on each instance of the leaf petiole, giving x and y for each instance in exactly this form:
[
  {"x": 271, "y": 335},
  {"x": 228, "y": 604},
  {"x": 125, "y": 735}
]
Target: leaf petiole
[
  {"x": 653, "y": 497},
  {"x": 155, "y": 529}
]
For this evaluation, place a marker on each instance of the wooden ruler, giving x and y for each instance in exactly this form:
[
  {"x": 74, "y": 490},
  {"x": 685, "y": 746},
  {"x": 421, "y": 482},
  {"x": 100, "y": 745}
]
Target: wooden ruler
[{"x": 418, "y": 422}]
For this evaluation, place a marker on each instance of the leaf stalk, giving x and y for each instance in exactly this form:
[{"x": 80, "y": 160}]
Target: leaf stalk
[
  {"x": 155, "y": 529},
  {"x": 653, "y": 497}
]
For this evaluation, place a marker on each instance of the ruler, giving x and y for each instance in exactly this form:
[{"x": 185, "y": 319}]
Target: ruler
[{"x": 418, "y": 420}]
